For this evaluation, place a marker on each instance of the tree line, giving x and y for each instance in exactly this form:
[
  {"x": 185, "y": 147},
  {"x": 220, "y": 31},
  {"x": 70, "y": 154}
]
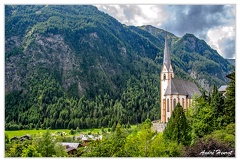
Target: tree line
[{"x": 206, "y": 129}]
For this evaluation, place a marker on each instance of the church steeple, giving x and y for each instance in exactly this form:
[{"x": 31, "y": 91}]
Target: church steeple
[
  {"x": 166, "y": 59},
  {"x": 165, "y": 77}
]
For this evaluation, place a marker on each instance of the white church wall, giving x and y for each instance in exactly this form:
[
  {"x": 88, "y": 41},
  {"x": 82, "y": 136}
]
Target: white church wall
[
  {"x": 169, "y": 97},
  {"x": 182, "y": 98}
]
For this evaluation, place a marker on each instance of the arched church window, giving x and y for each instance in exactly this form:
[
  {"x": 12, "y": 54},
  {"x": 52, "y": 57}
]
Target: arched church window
[
  {"x": 167, "y": 105},
  {"x": 164, "y": 77},
  {"x": 174, "y": 102},
  {"x": 171, "y": 75}
]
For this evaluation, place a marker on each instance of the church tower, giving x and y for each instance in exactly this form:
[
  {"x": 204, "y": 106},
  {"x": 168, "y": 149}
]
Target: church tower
[{"x": 165, "y": 79}]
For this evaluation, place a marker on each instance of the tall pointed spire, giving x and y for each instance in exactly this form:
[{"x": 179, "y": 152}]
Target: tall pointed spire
[{"x": 166, "y": 59}]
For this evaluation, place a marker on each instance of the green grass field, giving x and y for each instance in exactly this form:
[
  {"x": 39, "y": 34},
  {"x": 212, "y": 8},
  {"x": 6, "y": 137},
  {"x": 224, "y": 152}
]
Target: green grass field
[{"x": 19, "y": 133}]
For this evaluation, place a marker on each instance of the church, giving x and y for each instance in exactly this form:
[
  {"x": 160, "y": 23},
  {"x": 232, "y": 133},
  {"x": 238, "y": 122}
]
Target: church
[{"x": 173, "y": 90}]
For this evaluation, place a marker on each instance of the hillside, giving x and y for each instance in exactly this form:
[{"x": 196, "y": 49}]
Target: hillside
[
  {"x": 231, "y": 61},
  {"x": 196, "y": 58},
  {"x": 69, "y": 66}
]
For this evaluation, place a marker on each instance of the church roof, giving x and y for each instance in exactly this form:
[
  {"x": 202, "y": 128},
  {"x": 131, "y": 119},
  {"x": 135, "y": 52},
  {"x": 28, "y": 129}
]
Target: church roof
[
  {"x": 182, "y": 87},
  {"x": 166, "y": 58}
]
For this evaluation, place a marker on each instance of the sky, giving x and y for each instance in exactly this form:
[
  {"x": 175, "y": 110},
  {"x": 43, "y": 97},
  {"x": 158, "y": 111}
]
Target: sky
[{"x": 216, "y": 24}]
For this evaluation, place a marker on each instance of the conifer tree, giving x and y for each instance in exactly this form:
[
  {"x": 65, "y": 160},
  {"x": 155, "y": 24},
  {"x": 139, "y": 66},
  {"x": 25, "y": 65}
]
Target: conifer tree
[
  {"x": 103, "y": 131},
  {"x": 128, "y": 125},
  {"x": 217, "y": 104},
  {"x": 177, "y": 128},
  {"x": 229, "y": 110},
  {"x": 77, "y": 130},
  {"x": 114, "y": 127},
  {"x": 6, "y": 138}
]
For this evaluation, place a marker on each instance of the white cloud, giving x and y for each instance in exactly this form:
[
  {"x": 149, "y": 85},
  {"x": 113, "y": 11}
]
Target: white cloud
[
  {"x": 213, "y": 23},
  {"x": 218, "y": 39},
  {"x": 136, "y": 15}
]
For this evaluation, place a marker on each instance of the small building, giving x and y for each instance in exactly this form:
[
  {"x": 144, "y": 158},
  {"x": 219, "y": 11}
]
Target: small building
[
  {"x": 80, "y": 136},
  {"x": 22, "y": 138},
  {"x": 85, "y": 140},
  {"x": 27, "y": 136},
  {"x": 14, "y": 138},
  {"x": 71, "y": 148},
  {"x": 223, "y": 89}
]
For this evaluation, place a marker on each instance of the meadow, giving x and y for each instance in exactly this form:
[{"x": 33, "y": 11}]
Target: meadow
[{"x": 20, "y": 133}]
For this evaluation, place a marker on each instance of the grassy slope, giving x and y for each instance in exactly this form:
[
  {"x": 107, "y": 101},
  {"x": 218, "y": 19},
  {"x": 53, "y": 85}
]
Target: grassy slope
[{"x": 20, "y": 133}]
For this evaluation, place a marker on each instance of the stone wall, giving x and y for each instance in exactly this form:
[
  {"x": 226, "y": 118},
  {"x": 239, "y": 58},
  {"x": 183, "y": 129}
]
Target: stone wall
[{"x": 158, "y": 126}]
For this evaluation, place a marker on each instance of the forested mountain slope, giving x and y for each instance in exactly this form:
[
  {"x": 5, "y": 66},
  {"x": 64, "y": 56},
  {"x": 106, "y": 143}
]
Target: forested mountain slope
[{"x": 69, "y": 66}]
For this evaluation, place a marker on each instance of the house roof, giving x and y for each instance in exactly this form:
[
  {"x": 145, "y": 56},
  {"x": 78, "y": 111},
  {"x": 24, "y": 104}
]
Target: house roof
[
  {"x": 70, "y": 149},
  {"x": 91, "y": 136},
  {"x": 222, "y": 88},
  {"x": 70, "y": 144},
  {"x": 84, "y": 138},
  {"x": 182, "y": 87},
  {"x": 80, "y": 136}
]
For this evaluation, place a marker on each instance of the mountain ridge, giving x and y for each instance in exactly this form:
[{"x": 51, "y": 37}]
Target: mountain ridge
[{"x": 85, "y": 58}]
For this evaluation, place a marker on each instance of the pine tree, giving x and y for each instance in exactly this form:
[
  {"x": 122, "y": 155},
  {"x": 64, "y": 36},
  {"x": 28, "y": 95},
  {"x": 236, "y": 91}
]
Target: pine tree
[
  {"x": 114, "y": 127},
  {"x": 229, "y": 110},
  {"x": 6, "y": 139},
  {"x": 103, "y": 131},
  {"x": 128, "y": 125},
  {"x": 77, "y": 130},
  {"x": 177, "y": 128},
  {"x": 72, "y": 132},
  {"x": 217, "y": 104}
]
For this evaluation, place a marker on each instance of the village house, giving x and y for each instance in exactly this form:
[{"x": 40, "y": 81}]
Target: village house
[
  {"x": 71, "y": 148},
  {"x": 223, "y": 89}
]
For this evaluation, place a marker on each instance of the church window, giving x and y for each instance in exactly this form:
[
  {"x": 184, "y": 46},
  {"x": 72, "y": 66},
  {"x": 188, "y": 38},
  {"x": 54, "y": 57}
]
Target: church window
[
  {"x": 167, "y": 105},
  {"x": 164, "y": 77},
  {"x": 183, "y": 103},
  {"x": 171, "y": 75},
  {"x": 174, "y": 102}
]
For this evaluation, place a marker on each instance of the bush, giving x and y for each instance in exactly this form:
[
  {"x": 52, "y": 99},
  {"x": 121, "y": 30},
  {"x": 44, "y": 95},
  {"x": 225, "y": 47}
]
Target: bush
[
  {"x": 223, "y": 137},
  {"x": 12, "y": 126},
  {"x": 77, "y": 130},
  {"x": 230, "y": 129},
  {"x": 164, "y": 148},
  {"x": 209, "y": 147},
  {"x": 72, "y": 132}
]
